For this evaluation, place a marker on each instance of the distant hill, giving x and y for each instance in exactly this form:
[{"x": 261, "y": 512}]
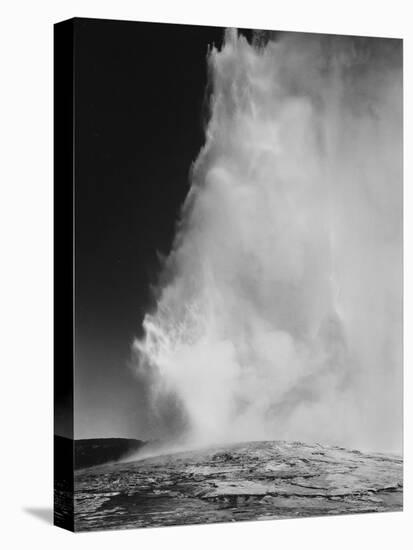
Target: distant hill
[{"x": 92, "y": 452}]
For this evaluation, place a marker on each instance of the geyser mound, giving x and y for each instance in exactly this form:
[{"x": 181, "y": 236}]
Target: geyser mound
[{"x": 248, "y": 481}]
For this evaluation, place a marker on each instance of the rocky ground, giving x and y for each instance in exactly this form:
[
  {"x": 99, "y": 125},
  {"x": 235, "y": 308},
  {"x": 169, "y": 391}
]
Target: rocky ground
[{"x": 248, "y": 481}]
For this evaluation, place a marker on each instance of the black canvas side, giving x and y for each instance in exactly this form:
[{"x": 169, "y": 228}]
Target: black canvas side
[{"x": 63, "y": 274}]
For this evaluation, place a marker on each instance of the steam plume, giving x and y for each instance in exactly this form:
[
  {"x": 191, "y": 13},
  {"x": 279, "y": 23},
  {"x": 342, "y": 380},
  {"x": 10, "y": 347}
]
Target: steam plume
[{"x": 281, "y": 314}]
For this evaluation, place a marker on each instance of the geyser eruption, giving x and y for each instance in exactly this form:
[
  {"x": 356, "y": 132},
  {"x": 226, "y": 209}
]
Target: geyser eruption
[{"x": 281, "y": 316}]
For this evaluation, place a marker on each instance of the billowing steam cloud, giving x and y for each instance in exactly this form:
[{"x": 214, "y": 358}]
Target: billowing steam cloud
[{"x": 281, "y": 315}]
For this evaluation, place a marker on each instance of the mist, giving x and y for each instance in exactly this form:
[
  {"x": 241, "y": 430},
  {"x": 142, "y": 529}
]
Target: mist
[{"x": 279, "y": 307}]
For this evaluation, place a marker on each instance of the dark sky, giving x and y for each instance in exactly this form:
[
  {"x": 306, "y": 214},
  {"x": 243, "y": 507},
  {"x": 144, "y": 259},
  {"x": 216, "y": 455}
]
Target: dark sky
[{"x": 140, "y": 110}]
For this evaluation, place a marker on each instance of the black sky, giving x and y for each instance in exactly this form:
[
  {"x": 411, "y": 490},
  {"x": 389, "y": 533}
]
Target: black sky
[{"x": 140, "y": 110}]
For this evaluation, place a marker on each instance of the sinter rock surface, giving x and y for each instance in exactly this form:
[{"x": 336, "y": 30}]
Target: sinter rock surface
[{"x": 248, "y": 481}]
